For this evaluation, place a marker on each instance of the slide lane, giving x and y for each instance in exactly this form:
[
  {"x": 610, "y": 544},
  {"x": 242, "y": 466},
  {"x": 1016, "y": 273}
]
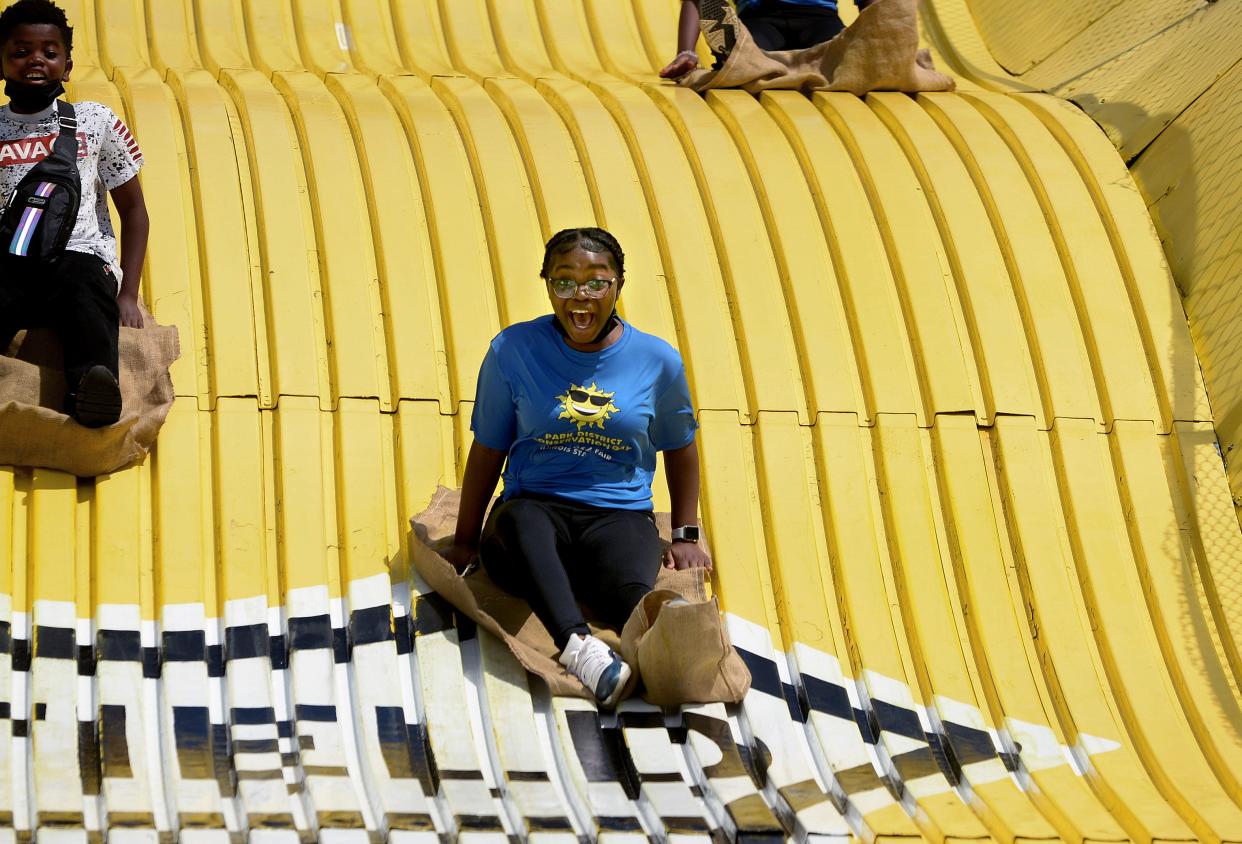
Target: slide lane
[
  {"x": 748, "y": 269},
  {"x": 805, "y": 275},
  {"x": 998, "y": 635},
  {"x": 814, "y": 632},
  {"x": 172, "y": 282},
  {"x": 352, "y": 301},
  {"x": 412, "y": 329},
  {"x": 292, "y": 290}
]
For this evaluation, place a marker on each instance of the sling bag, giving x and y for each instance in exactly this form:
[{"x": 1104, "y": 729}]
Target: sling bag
[{"x": 41, "y": 212}]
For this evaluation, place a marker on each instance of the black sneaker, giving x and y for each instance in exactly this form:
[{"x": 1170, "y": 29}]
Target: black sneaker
[
  {"x": 96, "y": 403},
  {"x": 718, "y": 23}
]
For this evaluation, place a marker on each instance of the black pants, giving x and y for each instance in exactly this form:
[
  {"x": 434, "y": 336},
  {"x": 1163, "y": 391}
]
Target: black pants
[
  {"x": 555, "y": 553},
  {"x": 75, "y": 296},
  {"x": 778, "y": 28}
]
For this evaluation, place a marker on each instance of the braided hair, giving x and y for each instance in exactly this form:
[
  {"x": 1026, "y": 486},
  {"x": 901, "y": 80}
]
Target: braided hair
[
  {"x": 36, "y": 12},
  {"x": 588, "y": 238}
]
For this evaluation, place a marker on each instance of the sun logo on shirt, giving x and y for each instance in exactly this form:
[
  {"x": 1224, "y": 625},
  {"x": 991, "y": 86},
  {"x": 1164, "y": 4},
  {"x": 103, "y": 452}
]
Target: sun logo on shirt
[{"x": 587, "y": 406}]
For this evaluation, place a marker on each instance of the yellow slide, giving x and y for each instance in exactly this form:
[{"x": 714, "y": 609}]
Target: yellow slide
[{"x": 973, "y": 533}]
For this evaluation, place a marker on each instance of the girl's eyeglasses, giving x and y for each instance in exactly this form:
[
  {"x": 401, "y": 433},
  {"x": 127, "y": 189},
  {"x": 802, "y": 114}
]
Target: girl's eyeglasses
[{"x": 567, "y": 288}]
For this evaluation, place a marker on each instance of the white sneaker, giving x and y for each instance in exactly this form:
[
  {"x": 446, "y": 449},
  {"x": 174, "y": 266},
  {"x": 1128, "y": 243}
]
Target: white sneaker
[{"x": 597, "y": 666}]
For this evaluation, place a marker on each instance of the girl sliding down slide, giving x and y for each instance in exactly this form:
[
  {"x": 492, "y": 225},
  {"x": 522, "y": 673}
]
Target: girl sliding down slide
[{"x": 574, "y": 405}]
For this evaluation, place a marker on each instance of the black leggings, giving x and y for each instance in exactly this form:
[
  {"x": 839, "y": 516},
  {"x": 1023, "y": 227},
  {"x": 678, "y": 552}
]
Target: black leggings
[
  {"x": 75, "y": 296},
  {"x": 554, "y": 552},
  {"x": 792, "y": 30}
]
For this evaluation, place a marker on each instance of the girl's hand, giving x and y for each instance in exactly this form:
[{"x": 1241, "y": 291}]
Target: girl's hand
[
  {"x": 460, "y": 556},
  {"x": 686, "y": 555}
]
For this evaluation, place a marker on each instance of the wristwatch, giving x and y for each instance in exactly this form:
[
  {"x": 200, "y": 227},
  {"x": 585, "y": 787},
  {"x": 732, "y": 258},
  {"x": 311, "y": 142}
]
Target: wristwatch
[{"x": 686, "y": 533}]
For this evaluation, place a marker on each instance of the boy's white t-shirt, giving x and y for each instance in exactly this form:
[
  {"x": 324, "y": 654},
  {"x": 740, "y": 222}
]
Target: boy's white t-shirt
[{"x": 108, "y": 156}]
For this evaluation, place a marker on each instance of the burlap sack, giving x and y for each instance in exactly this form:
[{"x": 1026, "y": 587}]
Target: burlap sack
[
  {"x": 657, "y": 641},
  {"x": 34, "y": 431},
  {"x": 511, "y": 620},
  {"x": 878, "y": 52}
]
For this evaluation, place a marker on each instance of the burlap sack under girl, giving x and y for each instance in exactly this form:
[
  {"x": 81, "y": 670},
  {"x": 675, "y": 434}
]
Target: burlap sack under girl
[
  {"x": 681, "y": 654},
  {"x": 34, "y": 431},
  {"x": 878, "y": 52}
]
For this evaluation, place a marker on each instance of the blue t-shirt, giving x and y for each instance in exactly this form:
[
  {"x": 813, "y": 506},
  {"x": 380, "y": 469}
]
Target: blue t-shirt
[
  {"x": 749, "y": 6},
  {"x": 582, "y": 425}
]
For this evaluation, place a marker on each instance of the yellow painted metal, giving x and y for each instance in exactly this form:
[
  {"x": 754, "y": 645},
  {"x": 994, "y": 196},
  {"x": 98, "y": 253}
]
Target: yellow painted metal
[
  {"x": 920, "y": 274},
  {"x": 173, "y": 285},
  {"x": 1119, "y": 367},
  {"x": 958, "y": 460},
  {"x": 292, "y": 289},
  {"x": 411, "y": 325},
  {"x": 730, "y": 505},
  {"x": 1020, "y": 40},
  {"x": 805, "y": 586},
  {"x": 1154, "y": 298},
  {"x": 519, "y": 41},
  {"x": 817, "y": 316},
  {"x": 420, "y": 39},
  {"x": 1128, "y": 651},
  {"x": 325, "y": 40},
  {"x": 1163, "y": 80},
  {"x": 122, "y": 35},
  {"x": 510, "y": 222},
  {"x": 1107, "y": 37},
  {"x": 989, "y": 322},
  {"x": 1190, "y": 179},
  {"x": 956, "y": 43},
  {"x": 219, "y": 180},
  {"x": 279, "y": 50},
  {"x": 1058, "y": 350},
  {"x": 221, "y": 33},
  {"x": 307, "y": 520},
  {"x": 468, "y": 33},
  {"x": 749, "y": 273},
  {"x": 172, "y": 35},
  {"x": 881, "y": 346},
  {"x": 998, "y": 629},
  {"x": 370, "y": 36},
  {"x": 566, "y": 31},
  {"x": 352, "y": 303},
  {"x": 456, "y": 224},
  {"x": 1136, "y": 95},
  {"x": 701, "y": 307}
]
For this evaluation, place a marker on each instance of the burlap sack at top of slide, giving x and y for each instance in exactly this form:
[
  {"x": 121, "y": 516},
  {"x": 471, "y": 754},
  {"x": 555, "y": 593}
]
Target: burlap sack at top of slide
[
  {"x": 34, "y": 431},
  {"x": 709, "y": 672},
  {"x": 878, "y": 52}
]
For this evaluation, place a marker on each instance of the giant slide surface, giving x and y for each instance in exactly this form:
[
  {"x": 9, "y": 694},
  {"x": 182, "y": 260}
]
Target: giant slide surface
[{"x": 972, "y": 530}]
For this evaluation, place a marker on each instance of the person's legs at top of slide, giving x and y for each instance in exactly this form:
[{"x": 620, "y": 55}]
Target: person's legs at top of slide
[
  {"x": 773, "y": 24},
  {"x": 790, "y": 24},
  {"x": 790, "y": 27}
]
